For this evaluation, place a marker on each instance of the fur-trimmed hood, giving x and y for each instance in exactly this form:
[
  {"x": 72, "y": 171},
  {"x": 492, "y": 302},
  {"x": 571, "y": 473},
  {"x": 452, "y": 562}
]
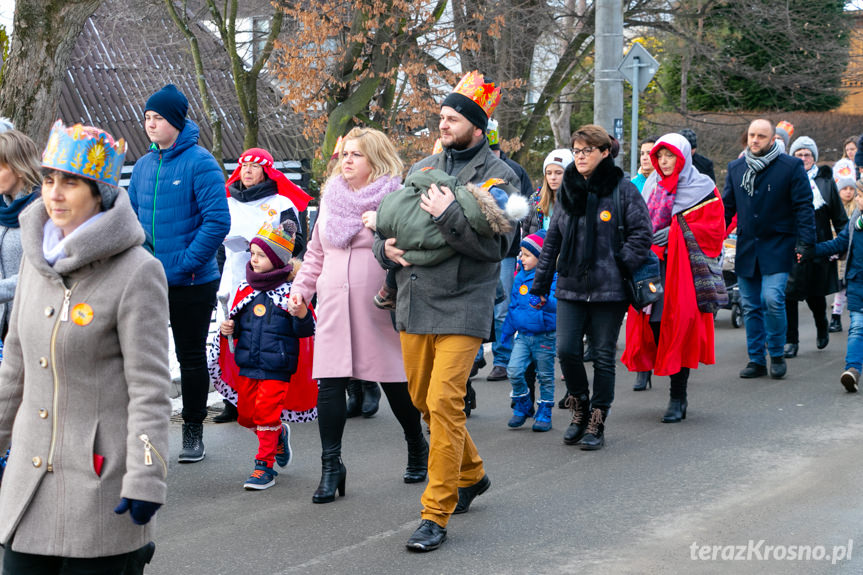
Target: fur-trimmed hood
[{"x": 574, "y": 190}]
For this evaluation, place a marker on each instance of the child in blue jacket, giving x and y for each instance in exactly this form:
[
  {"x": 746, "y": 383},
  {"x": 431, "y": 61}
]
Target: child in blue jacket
[
  {"x": 535, "y": 323},
  {"x": 850, "y": 242}
]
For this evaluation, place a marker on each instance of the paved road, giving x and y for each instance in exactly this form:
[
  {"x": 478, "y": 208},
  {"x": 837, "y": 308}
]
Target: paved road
[{"x": 778, "y": 461}]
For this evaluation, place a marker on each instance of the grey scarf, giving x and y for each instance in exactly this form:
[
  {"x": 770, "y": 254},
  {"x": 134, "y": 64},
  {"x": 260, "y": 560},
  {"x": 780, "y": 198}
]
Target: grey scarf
[{"x": 756, "y": 164}]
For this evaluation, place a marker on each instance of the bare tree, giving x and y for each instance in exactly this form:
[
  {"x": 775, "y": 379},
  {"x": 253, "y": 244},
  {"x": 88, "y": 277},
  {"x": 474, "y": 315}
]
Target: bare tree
[{"x": 45, "y": 34}]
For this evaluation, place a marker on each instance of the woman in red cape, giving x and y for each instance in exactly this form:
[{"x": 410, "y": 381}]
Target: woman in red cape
[{"x": 673, "y": 336}]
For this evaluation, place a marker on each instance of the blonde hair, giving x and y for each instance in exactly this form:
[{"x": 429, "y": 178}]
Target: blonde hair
[
  {"x": 376, "y": 147},
  {"x": 547, "y": 196},
  {"x": 20, "y": 154}
]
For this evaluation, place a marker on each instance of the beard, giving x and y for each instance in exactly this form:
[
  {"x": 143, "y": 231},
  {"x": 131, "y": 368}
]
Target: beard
[{"x": 461, "y": 142}]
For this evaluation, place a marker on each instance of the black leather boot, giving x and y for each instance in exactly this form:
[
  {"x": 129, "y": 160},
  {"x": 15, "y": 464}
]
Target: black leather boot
[
  {"x": 835, "y": 324},
  {"x": 594, "y": 435},
  {"x": 333, "y": 474},
  {"x": 823, "y": 333},
  {"x": 355, "y": 398},
  {"x": 371, "y": 398},
  {"x": 418, "y": 457},
  {"x": 469, "y": 399},
  {"x": 579, "y": 407},
  {"x": 642, "y": 381},
  {"x": 228, "y": 414},
  {"x": 676, "y": 410}
]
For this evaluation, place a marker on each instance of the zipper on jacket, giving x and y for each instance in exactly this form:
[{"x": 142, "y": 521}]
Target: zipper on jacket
[
  {"x": 155, "y": 193},
  {"x": 148, "y": 453},
  {"x": 63, "y": 317}
]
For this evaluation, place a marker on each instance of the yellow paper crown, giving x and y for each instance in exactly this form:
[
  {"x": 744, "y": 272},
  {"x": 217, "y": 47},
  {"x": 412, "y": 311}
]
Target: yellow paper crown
[
  {"x": 85, "y": 151},
  {"x": 279, "y": 235},
  {"x": 473, "y": 86},
  {"x": 438, "y": 147}
]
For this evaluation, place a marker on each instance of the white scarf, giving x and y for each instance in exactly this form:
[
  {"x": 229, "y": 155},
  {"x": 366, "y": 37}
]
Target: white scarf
[
  {"x": 53, "y": 242},
  {"x": 817, "y": 199}
]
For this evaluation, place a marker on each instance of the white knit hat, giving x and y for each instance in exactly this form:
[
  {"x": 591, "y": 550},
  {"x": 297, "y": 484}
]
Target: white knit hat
[{"x": 561, "y": 157}]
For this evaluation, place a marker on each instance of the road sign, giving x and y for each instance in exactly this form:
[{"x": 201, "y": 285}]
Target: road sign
[{"x": 638, "y": 66}]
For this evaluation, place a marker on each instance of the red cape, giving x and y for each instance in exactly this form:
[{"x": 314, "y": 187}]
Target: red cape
[{"x": 686, "y": 334}]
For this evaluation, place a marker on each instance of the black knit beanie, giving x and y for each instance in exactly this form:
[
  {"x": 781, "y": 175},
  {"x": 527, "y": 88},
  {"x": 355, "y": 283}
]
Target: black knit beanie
[
  {"x": 171, "y": 104},
  {"x": 467, "y": 108}
]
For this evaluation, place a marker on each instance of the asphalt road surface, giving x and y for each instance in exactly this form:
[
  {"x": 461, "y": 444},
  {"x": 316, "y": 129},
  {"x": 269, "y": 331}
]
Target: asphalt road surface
[{"x": 761, "y": 471}]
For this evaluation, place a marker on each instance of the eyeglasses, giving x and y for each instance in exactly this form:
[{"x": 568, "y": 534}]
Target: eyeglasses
[
  {"x": 803, "y": 154},
  {"x": 583, "y": 151}
]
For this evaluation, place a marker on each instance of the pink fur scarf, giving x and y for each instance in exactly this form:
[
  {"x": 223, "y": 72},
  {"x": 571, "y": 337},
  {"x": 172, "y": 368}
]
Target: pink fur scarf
[{"x": 345, "y": 206}]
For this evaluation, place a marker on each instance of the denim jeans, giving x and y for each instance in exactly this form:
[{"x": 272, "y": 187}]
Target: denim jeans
[
  {"x": 604, "y": 319},
  {"x": 763, "y": 298},
  {"x": 854, "y": 353},
  {"x": 540, "y": 348}
]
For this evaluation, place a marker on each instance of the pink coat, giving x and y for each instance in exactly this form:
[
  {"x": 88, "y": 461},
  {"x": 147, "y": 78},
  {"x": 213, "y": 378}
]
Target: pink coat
[{"x": 353, "y": 338}]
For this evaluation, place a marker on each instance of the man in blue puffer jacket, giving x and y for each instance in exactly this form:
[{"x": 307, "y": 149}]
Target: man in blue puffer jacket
[
  {"x": 536, "y": 324},
  {"x": 178, "y": 192}
]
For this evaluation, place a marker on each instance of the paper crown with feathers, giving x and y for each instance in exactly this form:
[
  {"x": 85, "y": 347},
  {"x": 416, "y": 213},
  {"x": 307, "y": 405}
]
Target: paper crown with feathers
[
  {"x": 485, "y": 95},
  {"x": 85, "y": 151}
]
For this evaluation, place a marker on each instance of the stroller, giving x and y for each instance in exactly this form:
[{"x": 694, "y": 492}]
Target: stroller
[{"x": 726, "y": 261}]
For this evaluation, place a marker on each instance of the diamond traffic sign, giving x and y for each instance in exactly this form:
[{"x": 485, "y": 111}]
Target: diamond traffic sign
[{"x": 638, "y": 66}]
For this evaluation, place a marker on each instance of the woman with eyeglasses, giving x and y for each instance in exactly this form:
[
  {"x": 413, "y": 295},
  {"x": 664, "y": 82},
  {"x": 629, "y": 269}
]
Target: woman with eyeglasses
[
  {"x": 580, "y": 246},
  {"x": 814, "y": 280}
]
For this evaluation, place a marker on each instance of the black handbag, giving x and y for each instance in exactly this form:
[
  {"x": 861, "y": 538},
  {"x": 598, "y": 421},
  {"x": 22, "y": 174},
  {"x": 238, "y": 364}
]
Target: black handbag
[{"x": 644, "y": 285}]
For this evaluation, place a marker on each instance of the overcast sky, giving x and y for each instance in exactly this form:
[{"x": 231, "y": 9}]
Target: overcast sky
[{"x": 7, "y": 11}]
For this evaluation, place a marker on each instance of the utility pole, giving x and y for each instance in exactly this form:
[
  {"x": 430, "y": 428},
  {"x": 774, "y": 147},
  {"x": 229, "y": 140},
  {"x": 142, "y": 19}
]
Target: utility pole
[{"x": 608, "y": 83}]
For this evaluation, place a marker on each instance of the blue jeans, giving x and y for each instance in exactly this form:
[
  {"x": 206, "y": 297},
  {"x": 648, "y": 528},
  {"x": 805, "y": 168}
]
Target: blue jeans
[
  {"x": 540, "y": 348},
  {"x": 854, "y": 353},
  {"x": 763, "y": 298}
]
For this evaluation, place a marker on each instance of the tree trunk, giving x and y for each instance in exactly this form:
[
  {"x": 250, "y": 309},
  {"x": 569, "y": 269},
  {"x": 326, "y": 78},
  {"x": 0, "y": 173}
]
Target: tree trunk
[{"x": 44, "y": 38}]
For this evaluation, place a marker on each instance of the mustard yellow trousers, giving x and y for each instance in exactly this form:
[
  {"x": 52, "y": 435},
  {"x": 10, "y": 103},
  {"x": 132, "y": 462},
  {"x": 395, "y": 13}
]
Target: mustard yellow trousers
[{"x": 437, "y": 368}]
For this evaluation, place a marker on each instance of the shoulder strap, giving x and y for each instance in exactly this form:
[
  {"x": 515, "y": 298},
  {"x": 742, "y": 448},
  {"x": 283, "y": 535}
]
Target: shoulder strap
[{"x": 621, "y": 220}]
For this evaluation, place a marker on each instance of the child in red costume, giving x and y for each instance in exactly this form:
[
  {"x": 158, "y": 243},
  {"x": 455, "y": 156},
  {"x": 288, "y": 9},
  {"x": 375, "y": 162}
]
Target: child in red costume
[
  {"x": 267, "y": 347},
  {"x": 672, "y": 339}
]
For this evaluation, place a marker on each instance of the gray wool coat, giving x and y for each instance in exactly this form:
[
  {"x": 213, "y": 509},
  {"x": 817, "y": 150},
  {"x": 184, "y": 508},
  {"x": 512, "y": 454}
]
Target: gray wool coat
[
  {"x": 84, "y": 376},
  {"x": 456, "y": 296}
]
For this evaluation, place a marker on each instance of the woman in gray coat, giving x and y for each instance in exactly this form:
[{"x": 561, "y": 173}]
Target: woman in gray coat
[
  {"x": 19, "y": 184},
  {"x": 84, "y": 381}
]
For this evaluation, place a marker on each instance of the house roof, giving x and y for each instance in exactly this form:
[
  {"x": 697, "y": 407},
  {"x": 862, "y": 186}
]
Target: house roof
[{"x": 122, "y": 56}]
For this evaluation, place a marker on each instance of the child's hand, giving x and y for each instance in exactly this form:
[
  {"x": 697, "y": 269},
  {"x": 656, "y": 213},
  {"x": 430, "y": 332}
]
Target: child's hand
[
  {"x": 297, "y": 305},
  {"x": 370, "y": 220},
  {"x": 227, "y": 327}
]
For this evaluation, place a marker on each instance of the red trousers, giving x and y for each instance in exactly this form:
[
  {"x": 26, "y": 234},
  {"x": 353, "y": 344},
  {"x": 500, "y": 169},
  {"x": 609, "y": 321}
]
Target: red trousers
[{"x": 259, "y": 407}]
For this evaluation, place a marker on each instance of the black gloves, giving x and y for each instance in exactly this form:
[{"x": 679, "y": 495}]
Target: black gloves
[
  {"x": 806, "y": 252},
  {"x": 660, "y": 237},
  {"x": 141, "y": 511}
]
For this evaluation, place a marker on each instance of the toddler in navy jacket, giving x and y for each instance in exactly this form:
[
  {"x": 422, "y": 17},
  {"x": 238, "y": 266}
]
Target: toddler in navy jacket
[
  {"x": 267, "y": 347},
  {"x": 535, "y": 322}
]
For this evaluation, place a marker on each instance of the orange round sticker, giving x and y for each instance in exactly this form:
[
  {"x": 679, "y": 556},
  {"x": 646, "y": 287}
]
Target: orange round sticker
[
  {"x": 604, "y": 215},
  {"x": 260, "y": 310},
  {"x": 523, "y": 289},
  {"x": 82, "y": 314}
]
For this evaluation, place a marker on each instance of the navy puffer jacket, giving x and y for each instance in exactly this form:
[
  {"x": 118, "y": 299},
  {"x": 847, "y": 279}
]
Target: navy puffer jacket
[
  {"x": 179, "y": 196},
  {"x": 267, "y": 345}
]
